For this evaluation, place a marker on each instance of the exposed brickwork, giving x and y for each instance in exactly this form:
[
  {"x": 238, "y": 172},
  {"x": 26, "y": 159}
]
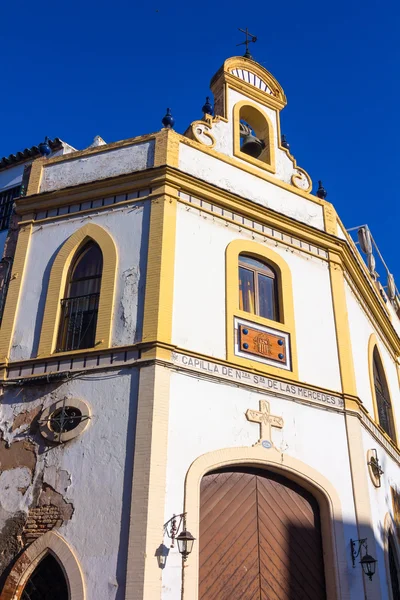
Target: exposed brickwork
[{"x": 39, "y": 521}]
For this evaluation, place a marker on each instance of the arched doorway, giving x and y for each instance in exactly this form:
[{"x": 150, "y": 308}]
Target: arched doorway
[
  {"x": 47, "y": 582},
  {"x": 260, "y": 538}
]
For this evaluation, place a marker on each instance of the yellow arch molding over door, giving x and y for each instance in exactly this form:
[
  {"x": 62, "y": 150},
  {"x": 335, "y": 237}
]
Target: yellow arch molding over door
[{"x": 57, "y": 284}]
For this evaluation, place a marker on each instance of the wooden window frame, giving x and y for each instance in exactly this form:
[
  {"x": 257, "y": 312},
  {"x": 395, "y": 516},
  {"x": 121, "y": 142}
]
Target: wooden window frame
[{"x": 268, "y": 271}]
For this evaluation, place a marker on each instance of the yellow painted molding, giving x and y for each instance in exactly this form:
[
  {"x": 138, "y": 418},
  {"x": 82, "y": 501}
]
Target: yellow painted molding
[
  {"x": 35, "y": 177},
  {"x": 330, "y": 219},
  {"x": 333, "y": 535},
  {"x": 261, "y": 123},
  {"x": 224, "y": 76},
  {"x": 167, "y": 148},
  {"x": 285, "y": 299},
  {"x": 14, "y": 291},
  {"x": 147, "y": 516},
  {"x": 101, "y": 188},
  {"x": 57, "y": 283},
  {"x": 157, "y": 323},
  {"x": 372, "y": 345},
  {"x": 343, "y": 338}
]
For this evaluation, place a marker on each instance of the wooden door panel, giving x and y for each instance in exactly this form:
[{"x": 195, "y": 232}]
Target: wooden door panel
[{"x": 260, "y": 539}]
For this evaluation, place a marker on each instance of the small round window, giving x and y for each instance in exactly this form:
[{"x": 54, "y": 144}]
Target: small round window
[{"x": 64, "y": 420}]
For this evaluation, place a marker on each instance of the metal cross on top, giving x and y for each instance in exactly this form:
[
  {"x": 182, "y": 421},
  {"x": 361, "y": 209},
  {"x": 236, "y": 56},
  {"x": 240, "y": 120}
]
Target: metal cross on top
[
  {"x": 249, "y": 38},
  {"x": 266, "y": 421}
]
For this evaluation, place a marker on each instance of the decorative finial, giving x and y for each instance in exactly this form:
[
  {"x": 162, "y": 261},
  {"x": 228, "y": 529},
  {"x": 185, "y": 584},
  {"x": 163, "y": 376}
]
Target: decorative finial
[
  {"x": 321, "y": 191},
  {"x": 207, "y": 108},
  {"x": 249, "y": 38},
  {"x": 168, "y": 121},
  {"x": 284, "y": 142},
  {"x": 44, "y": 147}
]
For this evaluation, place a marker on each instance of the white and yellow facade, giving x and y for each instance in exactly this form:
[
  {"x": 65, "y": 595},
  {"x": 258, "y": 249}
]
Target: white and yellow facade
[{"x": 167, "y": 385}]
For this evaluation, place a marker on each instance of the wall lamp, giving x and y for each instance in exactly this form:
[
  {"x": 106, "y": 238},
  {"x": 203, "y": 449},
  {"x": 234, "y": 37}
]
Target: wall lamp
[
  {"x": 367, "y": 561},
  {"x": 185, "y": 540}
]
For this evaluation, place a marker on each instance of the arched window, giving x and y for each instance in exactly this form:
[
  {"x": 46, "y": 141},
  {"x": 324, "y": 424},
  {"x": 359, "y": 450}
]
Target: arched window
[
  {"x": 47, "y": 581},
  {"x": 383, "y": 403},
  {"x": 80, "y": 305},
  {"x": 258, "y": 288}
]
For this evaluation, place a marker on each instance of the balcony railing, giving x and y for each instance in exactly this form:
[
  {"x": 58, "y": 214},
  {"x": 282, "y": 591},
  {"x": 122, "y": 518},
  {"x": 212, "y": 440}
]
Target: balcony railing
[{"x": 78, "y": 322}]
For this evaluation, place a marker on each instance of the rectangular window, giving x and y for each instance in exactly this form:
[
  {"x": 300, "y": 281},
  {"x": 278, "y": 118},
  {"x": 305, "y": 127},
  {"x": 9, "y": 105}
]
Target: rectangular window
[
  {"x": 266, "y": 297},
  {"x": 6, "y": 204},
  {"x": 246, "y": 290}
]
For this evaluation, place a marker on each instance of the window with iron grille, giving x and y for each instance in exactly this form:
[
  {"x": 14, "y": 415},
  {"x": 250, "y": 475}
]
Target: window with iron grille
[
  {"x": 80, "y": 306},
  {"x": 7, "y": 198},
  {"x": 383, "y": 402}
]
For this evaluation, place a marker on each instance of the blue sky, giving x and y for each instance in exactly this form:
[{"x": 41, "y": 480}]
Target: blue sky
[{"x": 78, "y": 69}]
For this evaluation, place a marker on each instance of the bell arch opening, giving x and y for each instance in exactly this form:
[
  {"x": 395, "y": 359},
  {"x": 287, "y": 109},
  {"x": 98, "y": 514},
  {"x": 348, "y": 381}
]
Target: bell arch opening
[{"x": 255, "y": 134}]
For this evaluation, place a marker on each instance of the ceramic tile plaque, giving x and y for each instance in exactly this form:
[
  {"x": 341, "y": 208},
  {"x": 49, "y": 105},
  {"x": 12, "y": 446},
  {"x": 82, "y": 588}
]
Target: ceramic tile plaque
[{"x": 262, "y": 344}]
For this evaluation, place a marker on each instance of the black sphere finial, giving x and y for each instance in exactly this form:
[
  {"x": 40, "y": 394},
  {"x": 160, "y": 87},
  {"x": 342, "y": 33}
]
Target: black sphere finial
[
  {"x": 284, "y": 142},
  {"x": 44, "y": 147},
  {"x": 168, "y": 120},
  {"x": 321, "y": 191},
  {"x": 207, "y": 108}
]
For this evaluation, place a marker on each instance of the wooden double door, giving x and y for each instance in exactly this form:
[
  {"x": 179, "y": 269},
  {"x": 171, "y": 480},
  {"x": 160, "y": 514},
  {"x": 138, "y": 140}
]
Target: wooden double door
[{"x": 260, "y": 538}]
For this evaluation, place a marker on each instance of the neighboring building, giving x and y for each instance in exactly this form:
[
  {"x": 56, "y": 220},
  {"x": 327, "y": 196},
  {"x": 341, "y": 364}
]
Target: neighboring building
[{"x": 188, "y": 329}]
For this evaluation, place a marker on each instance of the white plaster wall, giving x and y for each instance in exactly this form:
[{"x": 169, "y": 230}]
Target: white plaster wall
[
  {"x": 99, "y": 464},
  {"x": 199, "y": 297},
  {"x": 249, "y": 186},
  {"x": 128, "y": 227},
  {"x": 216, "y": 413},
  {"x": 98, "y": 166},
  {"x": 12, "y": 176},
  {"x": 381, "y": 502}
]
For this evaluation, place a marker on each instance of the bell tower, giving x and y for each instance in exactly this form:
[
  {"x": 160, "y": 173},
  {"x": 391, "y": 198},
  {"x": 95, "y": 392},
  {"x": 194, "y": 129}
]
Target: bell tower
[{"x": 246, "y": 122}]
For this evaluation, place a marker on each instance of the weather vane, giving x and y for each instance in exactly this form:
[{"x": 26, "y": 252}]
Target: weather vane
[{"x": 249, "y": 38}]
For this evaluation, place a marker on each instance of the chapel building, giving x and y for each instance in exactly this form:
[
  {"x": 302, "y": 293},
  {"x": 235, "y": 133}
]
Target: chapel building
[{"x": 192, "y": 346}]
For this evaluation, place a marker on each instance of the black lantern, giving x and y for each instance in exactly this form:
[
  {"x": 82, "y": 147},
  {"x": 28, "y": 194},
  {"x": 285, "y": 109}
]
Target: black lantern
[
  {"x": 368, "y": 564},
  {"x": 185, "y": 543},
  {"x": 367, "y": 561}
]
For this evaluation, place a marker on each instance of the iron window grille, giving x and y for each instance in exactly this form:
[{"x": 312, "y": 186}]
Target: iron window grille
[
  {"x": 78, "y": 322},
  {"x": 6, "y": 205}
]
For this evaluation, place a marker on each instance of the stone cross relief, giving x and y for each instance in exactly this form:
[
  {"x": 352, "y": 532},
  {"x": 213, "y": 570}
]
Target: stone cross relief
[{"x": 266, "y": 421}]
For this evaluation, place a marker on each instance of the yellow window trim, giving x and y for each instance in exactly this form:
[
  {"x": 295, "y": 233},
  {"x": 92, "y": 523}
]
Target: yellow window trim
[
  {"x": 264, "y": 124},
  {"x": 285, "y": 302},
  {"x": 372, "y": 344},
  {"x": 57, "y": 282}
]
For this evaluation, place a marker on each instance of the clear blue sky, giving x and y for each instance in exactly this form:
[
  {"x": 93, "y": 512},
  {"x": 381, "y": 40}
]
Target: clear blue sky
[{"x": 76, "y": 69}]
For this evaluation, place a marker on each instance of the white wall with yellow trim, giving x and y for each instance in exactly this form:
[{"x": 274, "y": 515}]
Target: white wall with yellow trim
[
  {"x": 206, "y": 416},
  {"x": 199, "y": 319},
  {"x": 128, "y": 226}
]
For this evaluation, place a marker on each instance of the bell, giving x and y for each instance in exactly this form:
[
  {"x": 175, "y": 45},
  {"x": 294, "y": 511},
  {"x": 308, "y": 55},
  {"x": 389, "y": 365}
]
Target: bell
[{"x": 252, "y": 145}]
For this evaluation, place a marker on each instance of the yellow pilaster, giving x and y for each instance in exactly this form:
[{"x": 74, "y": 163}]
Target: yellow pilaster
[
  {"x": 357, "y": 456},
  {"x": 157, "y": 323},
  {"x": 149, "y": 481},
  {"x": 13, "y": 295}
]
